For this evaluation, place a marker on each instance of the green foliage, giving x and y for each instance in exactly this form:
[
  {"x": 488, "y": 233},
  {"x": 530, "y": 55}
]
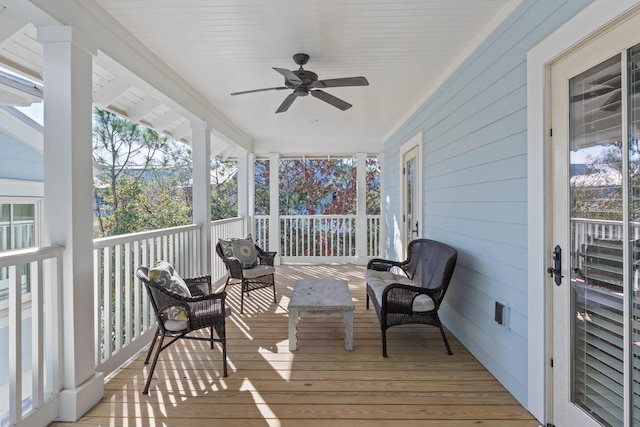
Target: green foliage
[
  {"x": 141, "y": 183},
  {"x": 317, "y": 186},
  {"x": 261, "y": 187},
  {"x": 224, "y": 189}
]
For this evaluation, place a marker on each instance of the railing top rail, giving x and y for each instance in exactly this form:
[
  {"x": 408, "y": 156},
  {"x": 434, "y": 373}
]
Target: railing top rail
[
  {"x": 318, "y": 216},
  {"x": 226, "y": 220},
  {"x": 105, "y": 242},
  {"x": 21, "y": 256},
  {"x": 598, "y": 221}
]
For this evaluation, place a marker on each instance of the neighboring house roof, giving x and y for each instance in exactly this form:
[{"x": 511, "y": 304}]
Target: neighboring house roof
[{"x": 15, "y": 91}]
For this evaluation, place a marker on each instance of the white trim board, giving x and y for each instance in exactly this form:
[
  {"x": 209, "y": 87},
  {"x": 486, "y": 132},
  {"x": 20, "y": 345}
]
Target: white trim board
[{"x": 591, "y": 19}]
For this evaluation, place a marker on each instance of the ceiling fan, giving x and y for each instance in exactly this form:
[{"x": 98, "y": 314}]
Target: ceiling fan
[{"x": 305, "y": 82}]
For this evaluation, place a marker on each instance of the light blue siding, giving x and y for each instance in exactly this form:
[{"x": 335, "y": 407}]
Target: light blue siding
[
  {"x": 474, "y": 145},
  {"x": 18, "y": 161}
]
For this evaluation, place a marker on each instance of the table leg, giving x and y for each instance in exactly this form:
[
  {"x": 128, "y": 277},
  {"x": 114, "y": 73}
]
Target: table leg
[
  {"x": 347, "y": 316},
  {"x": 294, "y": 315}
]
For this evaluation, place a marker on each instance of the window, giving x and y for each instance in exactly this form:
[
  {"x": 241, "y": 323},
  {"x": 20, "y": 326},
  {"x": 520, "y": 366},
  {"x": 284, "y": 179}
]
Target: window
[{"x": 18, "y": 230}]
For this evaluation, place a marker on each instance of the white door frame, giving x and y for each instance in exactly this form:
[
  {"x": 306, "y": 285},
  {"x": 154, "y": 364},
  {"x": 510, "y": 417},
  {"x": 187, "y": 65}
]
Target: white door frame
[
  {"x": 590, "y": 20},
  {"x": 414, "y": 141}
]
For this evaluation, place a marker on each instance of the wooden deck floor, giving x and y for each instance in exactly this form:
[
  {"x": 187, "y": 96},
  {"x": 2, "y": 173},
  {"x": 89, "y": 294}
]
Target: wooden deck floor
[{"x": 320, "y": 384}]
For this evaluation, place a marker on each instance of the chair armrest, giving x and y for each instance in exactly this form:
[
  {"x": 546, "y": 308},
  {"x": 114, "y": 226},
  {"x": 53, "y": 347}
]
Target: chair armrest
[
  {"x": 380, "y": 264},
  {"x": 266, "y": 258}
]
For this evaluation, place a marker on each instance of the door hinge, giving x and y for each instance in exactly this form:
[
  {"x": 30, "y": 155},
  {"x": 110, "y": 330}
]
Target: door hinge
[
  {"x": 552, "y": 363},
  {"x": 551, "y": 132},
  {"x": 404, "y": 171}
]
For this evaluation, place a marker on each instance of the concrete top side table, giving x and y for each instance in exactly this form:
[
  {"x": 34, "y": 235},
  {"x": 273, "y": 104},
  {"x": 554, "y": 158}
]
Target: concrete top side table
[{"x": 325, "y": 296}]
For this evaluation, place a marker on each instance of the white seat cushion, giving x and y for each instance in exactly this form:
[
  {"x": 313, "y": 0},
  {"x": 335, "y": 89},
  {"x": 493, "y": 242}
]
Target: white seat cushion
[
  {"x": 258, "y": 271},
  {"x": 378, "y": 280}
]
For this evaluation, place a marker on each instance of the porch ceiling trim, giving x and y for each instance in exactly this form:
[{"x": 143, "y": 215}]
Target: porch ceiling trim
[{"x": 121, "y": 53}]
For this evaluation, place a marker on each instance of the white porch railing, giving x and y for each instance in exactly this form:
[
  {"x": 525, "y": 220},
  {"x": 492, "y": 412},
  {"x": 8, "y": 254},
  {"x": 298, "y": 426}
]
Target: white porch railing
[
  {"x": 30, "y": 375},
  {"x": 123, "y": 315},
  {"x": 319, "y": 238},
  {"x": 124, "y": 320}
]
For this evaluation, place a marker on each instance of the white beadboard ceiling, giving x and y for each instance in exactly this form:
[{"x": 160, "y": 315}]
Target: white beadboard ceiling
[{"x": 403, "y": 48}]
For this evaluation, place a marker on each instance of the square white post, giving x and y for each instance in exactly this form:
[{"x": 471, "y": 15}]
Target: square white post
[
  {"x": 201, "y": 189},
  {"x": 68, "y": 210}
]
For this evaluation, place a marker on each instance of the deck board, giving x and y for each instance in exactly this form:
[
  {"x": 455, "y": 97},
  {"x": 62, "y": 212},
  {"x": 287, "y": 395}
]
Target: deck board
[{"x": 320, "y": 384}]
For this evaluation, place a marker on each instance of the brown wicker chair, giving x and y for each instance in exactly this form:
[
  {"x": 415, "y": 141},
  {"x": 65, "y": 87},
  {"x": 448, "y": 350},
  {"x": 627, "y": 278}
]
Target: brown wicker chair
[
  {"x": 204, "y": 309},
  {"x": 259, "y": 277},
  {"x": 413, "y": 296}
]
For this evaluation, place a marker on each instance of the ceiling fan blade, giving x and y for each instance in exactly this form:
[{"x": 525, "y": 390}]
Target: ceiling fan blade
[
  {"x": 289, "y": 75},
  {"x": 286, "y": 103},
  {"x": 330, "y": 99},
  {"x": 345, "y": 81},
  {"x": 259, "y": 90}
]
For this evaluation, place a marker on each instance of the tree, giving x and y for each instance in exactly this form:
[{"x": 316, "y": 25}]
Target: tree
[
  {"x": 224, "y": 189},
  {"x": 141, "y": 183},
  {"x": 317, "y": 186},
  {"x": 261, "y": 187}
]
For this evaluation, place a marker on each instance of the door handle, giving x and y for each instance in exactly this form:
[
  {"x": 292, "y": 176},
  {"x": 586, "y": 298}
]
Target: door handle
[
  {"x": 556, "y": 270},
  {"x": 416, "y": 229}
]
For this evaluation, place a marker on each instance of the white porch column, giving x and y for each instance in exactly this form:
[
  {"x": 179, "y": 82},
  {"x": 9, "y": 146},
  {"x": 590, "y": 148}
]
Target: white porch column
[
  {"x": 68, "y": 212},
  {"x": 201, "y": 189},
  {"x": 274, "y": 203},
  {"x": 251, "y": 189},
  {"x": 361, "y": 213},
  {"x": 243, "y": 191},
  {"x": 383, "y": 210}
]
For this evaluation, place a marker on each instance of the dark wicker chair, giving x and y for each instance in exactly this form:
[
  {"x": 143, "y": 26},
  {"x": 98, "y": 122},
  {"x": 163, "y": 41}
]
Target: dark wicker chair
[
  {"x": 204, "y": 309},
  {"x": 414, "y": 295},
  {"x": 259, "y": 277}
]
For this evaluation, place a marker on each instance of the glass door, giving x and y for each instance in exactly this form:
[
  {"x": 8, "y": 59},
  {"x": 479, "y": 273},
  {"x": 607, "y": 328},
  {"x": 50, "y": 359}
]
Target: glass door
[
  {"x": 596, "y": 165},
  {"x": 410, "y": 199}
]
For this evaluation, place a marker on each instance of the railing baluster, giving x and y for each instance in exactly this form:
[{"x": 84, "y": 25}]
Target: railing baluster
[
  {"x": 118, "y": 297},
  {"x": 107, "y": 306},
  {"x": 37, "y": 333},
  {"x": 15, "y": 341}
]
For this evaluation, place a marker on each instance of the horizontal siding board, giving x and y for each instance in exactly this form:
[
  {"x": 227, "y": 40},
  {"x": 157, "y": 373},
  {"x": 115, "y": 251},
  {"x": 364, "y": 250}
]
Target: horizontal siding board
[
  {"x": 501, "y": 139},
  {"x": 19, "y": 161},
  {"x": 502, "y": 212},
  {"x": 477, "y": 307},
  {"x": 468, "y": 280},
  {"x": 512, "y": 190},
  {"x": 513, "y": 168}
]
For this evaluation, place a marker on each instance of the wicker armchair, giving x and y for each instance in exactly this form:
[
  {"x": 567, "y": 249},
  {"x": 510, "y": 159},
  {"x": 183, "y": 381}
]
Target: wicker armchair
[
  {"x": 257, "y": 277},
  {"x": 415, "y": 295},
  {"x": 203, "y": 309}
]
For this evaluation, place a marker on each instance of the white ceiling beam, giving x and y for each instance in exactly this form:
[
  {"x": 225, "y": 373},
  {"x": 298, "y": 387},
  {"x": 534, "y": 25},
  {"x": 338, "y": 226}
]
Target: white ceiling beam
[
  {"x": 165, "y": 120},
  {"x": 110, "y": 92},
  {"x": 10, "y": 23},
  {"x": 181, "y": 132},
  {"x": 217, "y": 147},
  {"x": 142, "y": 108},
  {"x": 123, "y": 53}
]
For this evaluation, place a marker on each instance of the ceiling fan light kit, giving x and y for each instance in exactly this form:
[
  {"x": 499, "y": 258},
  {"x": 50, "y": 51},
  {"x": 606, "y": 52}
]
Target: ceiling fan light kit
[{"x": 305, "y": 82}]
